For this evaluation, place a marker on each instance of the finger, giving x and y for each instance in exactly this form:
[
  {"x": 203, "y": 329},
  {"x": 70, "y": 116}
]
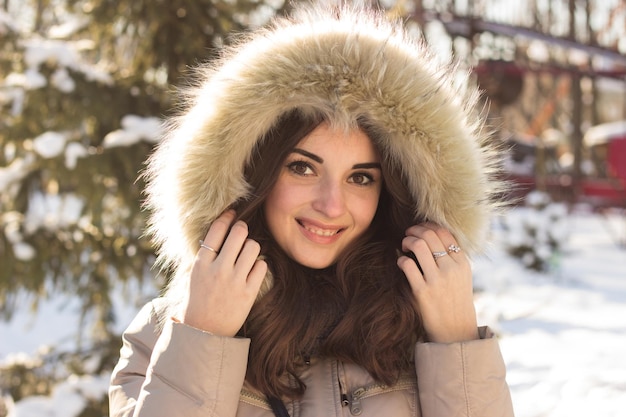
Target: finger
[
  {"x": 429, "y": 234},
  {"x": 424, "y": 254},
  {"x": 437, "y": 238},
  {"x": 447, "y": 238},
  {"x": 414, "y": 244},
  {"x": 234, "y": 242},
  {"x": 257, "y": 275},
  {"x": 412, "y": 272},
  {"x": 424, "y": 243},
  {"x": 208, "y": 248},
  {"x": 247, "y": 258},
  {"x": 218, "y": 230}
]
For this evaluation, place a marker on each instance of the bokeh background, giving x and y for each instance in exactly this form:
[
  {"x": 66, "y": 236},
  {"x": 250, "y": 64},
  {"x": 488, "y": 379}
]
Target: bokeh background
[{"x": 85, "y": 85}]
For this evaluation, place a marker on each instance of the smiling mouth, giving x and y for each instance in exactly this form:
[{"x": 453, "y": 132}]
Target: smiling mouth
[{"x": 319, "y": 231}]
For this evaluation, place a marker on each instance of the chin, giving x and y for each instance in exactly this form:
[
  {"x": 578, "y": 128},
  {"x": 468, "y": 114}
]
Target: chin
[{"x": 314, "y": 263}]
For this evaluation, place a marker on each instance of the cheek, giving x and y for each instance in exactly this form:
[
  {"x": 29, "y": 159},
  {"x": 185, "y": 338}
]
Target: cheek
[
  {"x": 278, "y": 203},
  {"x": 365, "y": 210}
]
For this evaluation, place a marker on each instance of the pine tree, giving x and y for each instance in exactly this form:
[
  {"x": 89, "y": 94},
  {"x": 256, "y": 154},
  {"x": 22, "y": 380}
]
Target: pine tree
[{"x": 83, "y": 87}]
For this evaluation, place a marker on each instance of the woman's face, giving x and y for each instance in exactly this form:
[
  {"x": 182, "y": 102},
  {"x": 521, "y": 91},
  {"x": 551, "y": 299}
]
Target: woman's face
[{"x": 325, "y": 196}]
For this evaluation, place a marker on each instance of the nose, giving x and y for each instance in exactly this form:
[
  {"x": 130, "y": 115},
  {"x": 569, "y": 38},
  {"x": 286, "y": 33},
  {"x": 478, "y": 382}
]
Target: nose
[{"x": 330, "y": 199}]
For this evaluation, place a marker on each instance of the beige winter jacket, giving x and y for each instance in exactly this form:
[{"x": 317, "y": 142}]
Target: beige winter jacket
[
  {"x": 348, "y": 66},
  {"x": 182, "y": 371}
]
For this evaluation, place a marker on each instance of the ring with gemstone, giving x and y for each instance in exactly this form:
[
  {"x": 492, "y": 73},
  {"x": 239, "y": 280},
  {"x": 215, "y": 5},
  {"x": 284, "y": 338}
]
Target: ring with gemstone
[{"x": 454, "y": 248}]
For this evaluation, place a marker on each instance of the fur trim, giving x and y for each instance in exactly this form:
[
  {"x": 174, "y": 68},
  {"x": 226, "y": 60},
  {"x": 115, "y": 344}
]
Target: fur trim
[{"x": 345, "y": 63}]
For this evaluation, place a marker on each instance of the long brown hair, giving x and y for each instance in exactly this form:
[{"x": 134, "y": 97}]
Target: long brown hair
[{"x": 359, "y": 310}]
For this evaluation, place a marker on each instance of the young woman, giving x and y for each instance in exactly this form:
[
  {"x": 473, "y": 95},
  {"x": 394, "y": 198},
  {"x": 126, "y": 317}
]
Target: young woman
[{"x": 315, "y": 205}]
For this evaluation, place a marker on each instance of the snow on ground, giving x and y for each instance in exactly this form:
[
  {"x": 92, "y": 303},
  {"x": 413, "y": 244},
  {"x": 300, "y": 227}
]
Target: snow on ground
[{"x": 562, "y": 334}]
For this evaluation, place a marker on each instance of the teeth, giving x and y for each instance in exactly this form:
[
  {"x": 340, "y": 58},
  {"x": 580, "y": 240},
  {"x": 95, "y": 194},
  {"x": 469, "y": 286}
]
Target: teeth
[{"x": 321, "y": 232}]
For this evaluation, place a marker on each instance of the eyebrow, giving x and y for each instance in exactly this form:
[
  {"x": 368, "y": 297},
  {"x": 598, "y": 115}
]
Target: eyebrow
[
  {"x": 308, "y": 155},
  {"x": 316, "y": 158}
]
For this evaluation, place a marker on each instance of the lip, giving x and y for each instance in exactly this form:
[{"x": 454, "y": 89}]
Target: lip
[{"x": 318, "y": 232}]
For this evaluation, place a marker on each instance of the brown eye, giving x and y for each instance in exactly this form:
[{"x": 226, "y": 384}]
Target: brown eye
[
  {"x": 361, "y": 178},
  {"x": 300, "y": 168}
]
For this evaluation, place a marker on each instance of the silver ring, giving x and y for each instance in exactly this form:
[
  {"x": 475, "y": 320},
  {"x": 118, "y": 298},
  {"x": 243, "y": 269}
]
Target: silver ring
[
  {"x": 437, "y": 255},
  {"x": 454, "y": 248},
  {"x": 203, "y": 245}
]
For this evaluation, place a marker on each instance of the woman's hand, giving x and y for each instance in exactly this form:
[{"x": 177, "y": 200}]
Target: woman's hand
[
  {"x": 225, "y": 279},
  {"x": 443, "y": 293}
]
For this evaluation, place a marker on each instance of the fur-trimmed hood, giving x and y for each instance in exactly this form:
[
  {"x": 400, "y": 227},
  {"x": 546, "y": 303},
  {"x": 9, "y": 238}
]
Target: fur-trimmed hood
[{"x": 342, "y": 63}]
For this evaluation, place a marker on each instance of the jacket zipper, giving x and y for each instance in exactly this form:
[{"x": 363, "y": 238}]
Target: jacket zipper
[
  {"x": 254, "y": 399},
  {"x": 353, "y": 399}
]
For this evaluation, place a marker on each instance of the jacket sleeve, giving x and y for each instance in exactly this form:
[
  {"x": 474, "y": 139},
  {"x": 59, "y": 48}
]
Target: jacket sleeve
[
  {"x": 180, "y": 371},
  {"x": 463, "y": 379}
]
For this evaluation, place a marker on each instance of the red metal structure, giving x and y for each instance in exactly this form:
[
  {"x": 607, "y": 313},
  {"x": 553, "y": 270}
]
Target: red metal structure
[
  {"x": 606, "y": 144},
  {"x": 539, "y": 63},
  {"x": 532, "y": 165}
]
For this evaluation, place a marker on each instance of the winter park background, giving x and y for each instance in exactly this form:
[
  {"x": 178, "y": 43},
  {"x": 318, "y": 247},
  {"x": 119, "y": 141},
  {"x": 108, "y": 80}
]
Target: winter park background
[{"x": 84, "y": 86}]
